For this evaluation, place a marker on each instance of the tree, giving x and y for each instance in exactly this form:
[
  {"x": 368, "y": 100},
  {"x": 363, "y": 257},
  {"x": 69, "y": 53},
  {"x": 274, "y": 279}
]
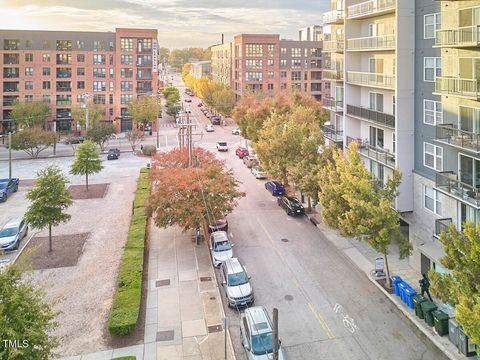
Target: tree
[
  {"x": 189, "y": 196},
  {"x": 144, "y": 110},
  {"x": 30, "y": 114},
  {"x": 49, "y": 199},
  {"x": 223, "y": 101},
  {"x": 134, "y": 137},
  {"x": 33, "y": 141},
  {"x": 87, "y": 161},
  {"x": 163, "y": 54},
  {"x": 100, "y": 133},
  {"x": 461, "y": 286},
  {"x": 171, "y": 94},
  {"x": 25, "y": 316},
  {"x": 95, "y": 114}
]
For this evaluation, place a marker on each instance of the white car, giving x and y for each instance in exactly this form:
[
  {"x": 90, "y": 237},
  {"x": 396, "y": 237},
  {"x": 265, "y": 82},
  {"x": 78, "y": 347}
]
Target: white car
[
  {"x": 258, "y": 172},
  {"x": 222, "y": 146},
  {"x": 12, "y": 233},
  {"x": 209, "y": 128},
  {"x": 236, "y": 131},
  {"x": 220, "y": 247}
]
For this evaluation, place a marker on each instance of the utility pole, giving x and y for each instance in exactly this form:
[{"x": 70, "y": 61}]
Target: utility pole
[
  {"x": 275, "y": 334},
  {"x": 86, "y": 118},
  {"x": 9, "y": 155},
  {"x": 190, "y": 141}
]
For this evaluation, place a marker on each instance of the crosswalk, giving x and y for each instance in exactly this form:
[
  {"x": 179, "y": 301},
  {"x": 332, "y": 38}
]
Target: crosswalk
[{"x": 168, "y": 125}]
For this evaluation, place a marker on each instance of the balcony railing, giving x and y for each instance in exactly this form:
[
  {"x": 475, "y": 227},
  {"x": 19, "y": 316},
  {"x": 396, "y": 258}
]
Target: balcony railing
[
  {"x": 369, "y": 8},
  {"x": 144, "y": 50},
  {"x": 441, "y": 225},
  {"x": 64, "y": 89},
  {"x": 11, "y": 89},
  {"x": 9, "y": 102},
  {"x": 331, "y": 133},
  {"x": 467, "y": 36},
  {"x": 7, "y": 75},
  {"x": 380, "y": 155},
  {"x": 64, "y": 102},
  {"x": 143, "y": 89},
  {"x": 384, "y": 42},
  {"x": 469, "y": 88},
  {"x": 329, "y": 74},
  {"x": 333, "y": 17},
  {"x": 451, "y": 135},
  {"x": 377, "y": 117},
  {"x": 144, "y": 77},
  {"x": 448, "y": 183},
  {"x": 371, "y": 79},
  {"x": 333, "y": 46},
  {"x": 330, "y": 103}
]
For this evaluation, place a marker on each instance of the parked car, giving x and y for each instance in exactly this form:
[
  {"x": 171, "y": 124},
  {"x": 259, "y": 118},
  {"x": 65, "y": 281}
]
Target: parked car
[
  {"x": 218, "y": 225},
  {"x": 215, "y": 120},
  {"x": 220, "y": 247},
  {"x": 275, "y": 188},
  {"x": 241, "y": 152},
  {"x": 292, "y": 205},
  {"x": 7, "y": 187},
  {"x": 114, "y": 151},
  {"x": 250, "y": 161},
  {"x": 74, "y": 140},
  {"x": 112, "y": 156},
  {"x": 209, "y": 128},
  {"x": 256, "y": 334},
  {"x": 258, "y": 172},
  {"x": 188, "y": 100},
  {"x": 200, "y": 104},
  {"x": 236, "y": 131},
  {"x": 208, "y": 114},
  {"x": 12, "y": 233},
  {"x": 236, "y": 283},
  {"x": 222, "y": 146}
]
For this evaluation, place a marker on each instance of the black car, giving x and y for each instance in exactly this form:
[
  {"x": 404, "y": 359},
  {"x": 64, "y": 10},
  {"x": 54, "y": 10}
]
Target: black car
[
  {"x": 215, "y": 120},
  {"x": 112, "y": 156},
  {"x": 114, "y": 151},
  {"x": 292, "y": 205},
  {"x": 188, "y": 100}
]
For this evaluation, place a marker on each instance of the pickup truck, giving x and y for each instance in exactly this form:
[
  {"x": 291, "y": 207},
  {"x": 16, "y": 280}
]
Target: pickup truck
[{"x": 8, "y": 186}]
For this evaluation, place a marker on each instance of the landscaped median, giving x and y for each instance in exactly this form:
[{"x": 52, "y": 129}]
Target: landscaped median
[{"x": 126, "y": 305}]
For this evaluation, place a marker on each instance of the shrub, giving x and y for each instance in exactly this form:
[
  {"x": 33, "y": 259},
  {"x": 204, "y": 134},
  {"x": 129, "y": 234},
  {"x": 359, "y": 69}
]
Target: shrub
[
  {"x": 149, "y": 150},
  {"x": 126, "y": 305}
]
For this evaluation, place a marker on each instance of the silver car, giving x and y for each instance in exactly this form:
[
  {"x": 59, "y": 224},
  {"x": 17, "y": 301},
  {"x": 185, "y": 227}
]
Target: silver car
[
  {"x": 236, "y": 282},
  {"x": 220, "y": 247},
  {"x": 12, "y": 233}
]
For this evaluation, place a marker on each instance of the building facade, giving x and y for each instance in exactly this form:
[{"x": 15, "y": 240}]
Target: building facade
[
  {"x": 222, "y": 64},
  {"x": 65, "y": 69},
  {"x": 200, "y": 69},
  {"x": 310, "y": 33}
]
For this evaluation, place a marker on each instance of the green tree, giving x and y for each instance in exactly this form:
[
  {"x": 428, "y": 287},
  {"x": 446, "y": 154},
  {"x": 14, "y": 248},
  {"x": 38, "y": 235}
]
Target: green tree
[
  {"x": 87, "y": 161},
  {"x": 144, "y": 110},
  {"x": 223, "y": 101},
  {"x": 33, "y": 141},
  {"x": 171, "y": 94},
  {"x": 49, "y": 200},
  {"x": 25, "y": 316},
  {"x": 134, "y": 137},
  {"x": 461, "y": 286},
  {"x": 30, "y": 114},
  {"x": 95, "y": 114},
  {"x": 100, "y": 133}
]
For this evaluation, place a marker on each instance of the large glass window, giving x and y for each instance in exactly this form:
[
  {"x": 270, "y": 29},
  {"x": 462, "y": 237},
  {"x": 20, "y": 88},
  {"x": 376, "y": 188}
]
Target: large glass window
[
  {"x": 296, "y": 52},
  {"x": 431, "y": 200},
  {"x": 296, "y": 75},
  {"x": 99, "y": 86},
  {"x": 64, "y": 45},
  {"x": 377, "y": 138},
  {"x": 99, "y": 72},
  {"x": 126, "y": 59},
  {"x": 432, "y": 67},
  {"x": 253, "y": 49},
  {"x": 469, "y": 170},
  {"x": 126, "y": 44},
  {"x": 432, "y": 22},
  {"x": 469, "y": 119},
  {"x": 375, "y": 101},
  {"x": 254, "y": 63},
  {"x": 253, "y": 76},
  {"x": 432, "y": 112},
  {"x": 99, "y": 59},
  {"x": 433, "y": 156}
]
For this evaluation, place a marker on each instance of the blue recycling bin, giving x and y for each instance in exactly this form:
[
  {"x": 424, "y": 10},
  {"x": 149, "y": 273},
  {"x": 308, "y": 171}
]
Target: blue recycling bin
[
  {"x": 401, "y": 290},
  {"x": 395, "y": 281},
  {"x": 409, "y": 293}
]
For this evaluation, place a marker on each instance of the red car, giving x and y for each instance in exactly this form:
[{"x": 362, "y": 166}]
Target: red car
[{"x": 241, "y": 152}]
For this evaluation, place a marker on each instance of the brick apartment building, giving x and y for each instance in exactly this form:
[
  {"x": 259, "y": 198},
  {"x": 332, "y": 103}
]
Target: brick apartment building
[
  {"x": 265, "y": 63},
  {"x": 59, "y": 67}
]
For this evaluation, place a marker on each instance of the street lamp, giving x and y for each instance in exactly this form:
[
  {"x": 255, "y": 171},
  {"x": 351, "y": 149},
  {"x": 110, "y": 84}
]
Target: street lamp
[{"x": 86, "y": 97}]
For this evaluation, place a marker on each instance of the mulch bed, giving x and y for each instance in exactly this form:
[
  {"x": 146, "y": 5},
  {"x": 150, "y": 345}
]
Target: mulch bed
[
  {"x": 383, "y": 283},
  {"x": 67, "y": 249},
  {"x": 95, "y": 191}
]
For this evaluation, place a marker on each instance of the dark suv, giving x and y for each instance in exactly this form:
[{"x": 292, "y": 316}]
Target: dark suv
[{"x": 292, "y": 205}]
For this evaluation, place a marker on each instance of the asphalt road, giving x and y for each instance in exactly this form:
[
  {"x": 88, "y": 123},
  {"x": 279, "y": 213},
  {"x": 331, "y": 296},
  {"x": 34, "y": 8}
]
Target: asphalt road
[{"x": 328, "y": 309}]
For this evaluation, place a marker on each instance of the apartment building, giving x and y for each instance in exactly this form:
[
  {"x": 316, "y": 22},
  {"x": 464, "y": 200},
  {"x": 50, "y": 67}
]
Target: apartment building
[
  {"x": 200, "y": 69},
  {"x": 310, "y": 33},
  {"x": 221, "y": 69},
  {"x": 65, "y": 69}
]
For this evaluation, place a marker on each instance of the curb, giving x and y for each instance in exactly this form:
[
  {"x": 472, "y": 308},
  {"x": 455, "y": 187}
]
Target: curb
[{"x": 57, "y": 156}]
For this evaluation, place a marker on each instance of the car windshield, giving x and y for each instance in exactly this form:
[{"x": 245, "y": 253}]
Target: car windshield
[
  {"x": 262, "y": 344},
  {"x": 222, "y": 143},
  {"x": 237, "y": 279},
  {"x": 8, "y": 232},
  {"x": 295, "y": 202},
  {"x": 222, "y": 246},
  {"x": 3, "y": 185}
]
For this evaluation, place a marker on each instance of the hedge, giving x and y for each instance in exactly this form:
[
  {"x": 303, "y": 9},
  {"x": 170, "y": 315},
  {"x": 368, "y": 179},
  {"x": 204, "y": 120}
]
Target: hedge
[
  {"x": 126, "y": 304},
  {"x": 149, "y": 150}
]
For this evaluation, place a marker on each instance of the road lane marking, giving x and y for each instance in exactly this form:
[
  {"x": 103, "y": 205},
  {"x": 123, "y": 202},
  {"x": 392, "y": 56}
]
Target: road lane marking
[{"x": 322, "y": 322}]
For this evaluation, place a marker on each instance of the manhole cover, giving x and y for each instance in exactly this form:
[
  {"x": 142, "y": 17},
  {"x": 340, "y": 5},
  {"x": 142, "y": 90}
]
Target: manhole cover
[
  {"x": 167, "y": 335},
  {"x": 205, "y": 278},
  {"x": 285, "y": 240},
  {"x": 165, "y": 282},
  {"x": 288, "y": 297},
  {"x": 214, "y": 328}
]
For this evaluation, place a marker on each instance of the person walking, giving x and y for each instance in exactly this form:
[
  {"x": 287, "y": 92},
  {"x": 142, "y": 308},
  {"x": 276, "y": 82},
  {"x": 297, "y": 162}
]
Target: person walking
[{"x": 425, "y": 285}]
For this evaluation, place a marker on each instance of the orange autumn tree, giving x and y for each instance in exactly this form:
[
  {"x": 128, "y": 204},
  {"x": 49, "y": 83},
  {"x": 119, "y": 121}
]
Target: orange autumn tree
[{"x": 191, "y": 196}]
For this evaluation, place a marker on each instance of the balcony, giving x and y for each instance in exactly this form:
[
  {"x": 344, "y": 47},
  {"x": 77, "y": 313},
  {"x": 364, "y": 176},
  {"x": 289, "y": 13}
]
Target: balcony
[
  {"x": 371, "y": 79},
  {"x": 371, "y": 43},
  {"x": 377, "y": 154},
  {"x": 374, "y": 116},
  {"x": 64, "y": 101},
  {"x": 333, "y": 17},
  {"x": 11, "y": 75},
  {"x": 334, "y": 135},
  {"x": 144, "y": 89},
  {"x": 467, "y": 88},
  {"x": 144, "y": 77},
  {"x": 447, "y": 183},
  {"x": 331, "y": 104},
  {"x": 329, "y": 74},
  {"x": 64, "y": 89},
  {"x": 441, "y": 225},
  {"x": 10, "y": 88},
  {"x": 144, "y": 50},
  {"x": 9, "y": 100},
  {"x": 449, "y": 134},
  {"x": 333, "y": 46},
  {"x": 370, "y": 8},
  {"x": 462, "y": 37},
  {"x": 144, "y": 64}
]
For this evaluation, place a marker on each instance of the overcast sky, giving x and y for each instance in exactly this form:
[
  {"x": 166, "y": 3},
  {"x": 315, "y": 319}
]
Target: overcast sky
[{"x": 181, "y": 23}]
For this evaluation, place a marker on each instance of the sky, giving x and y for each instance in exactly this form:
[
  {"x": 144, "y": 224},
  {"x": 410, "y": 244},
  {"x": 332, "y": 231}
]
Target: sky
[{"x": 180, "y": 23}]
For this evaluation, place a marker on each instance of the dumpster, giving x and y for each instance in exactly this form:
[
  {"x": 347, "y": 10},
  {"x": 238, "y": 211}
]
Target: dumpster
[
  {"x": 395, "y": 281},
  {"x": 440, "y": 319},
  {"x": 453, "y": 331},
  {"x": 465, "y": 346},
  {"x": 417, "y": 304},
  {"x": 409, "y": 294},
  {"x": 427, "y": 308}
]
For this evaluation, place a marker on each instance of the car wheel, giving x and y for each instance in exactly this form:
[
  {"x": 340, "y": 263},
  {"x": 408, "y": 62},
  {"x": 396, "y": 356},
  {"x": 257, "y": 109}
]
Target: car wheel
[
  {"x": 17, "y": 245},
  {"x": 289, "y": 213},
  {"x": 26, "y": 232}
]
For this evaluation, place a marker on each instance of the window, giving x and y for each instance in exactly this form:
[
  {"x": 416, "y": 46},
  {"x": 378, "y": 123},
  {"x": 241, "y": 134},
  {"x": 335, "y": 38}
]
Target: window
[
  {"x": 110, "y": 111},
  {"x": 126, "y": 98},
  {"x": 110, "y": 100},
  {"x": 378, "y": 171},
  {"x": 270, "y": 62},
  {"x": 28, "y": 98},
  {"x": 283, "y": 74},
  {"x": 9, "y": 44},
  {"x": 110, "y": 59},
  {"x": 80, "y": 84},
  {"x": 433, "y": 156},
  {"x": 99, "y": 45},
  {"x": 283, "y": 63},
  {"x": 271, "y": 75},
  {"x": 46, "y": 71},
  {"x": 296, "y": 52},
  {"x": 28, "y": 71},
  {"x": 144, "y": 45},
  {"x": 270, "y": 49},
  {"x": 80, "y": 71},
  {"x": 296, "y": 75},
  {"x": 126, "y": 85},
  {"x": 99, "y": 99},
  {"x": 28, "y": 85},
  {"x": 99, "y": 59},
  {"x": 64, "y": 59},
  {"x": 46, "y": 57},
  {"x": 270, "y": 86},
  {"x": 126, "y": 59},
  {"x": 253, "y": 50},
  {"x": 111, "y": 72},
  {"x": 29, "y": 57},
  {"x": 64, "y": 45},
  {"x": 432, "y": 67},
  {"x": 394, "y": 143},
  {"x": 110, "y": 86},
  {"x": 375, "y": 101},
  {"x": 296, "y": 63},
  {"x": 253, "y": 64},
  {"x": 80, "y": 58},
  {"x": 432, "y": 112},
  {"x": 28, "y": 44},
  {"x": 376, "y": 137},
  {"x": 47, "y": 45},
  {"x": 99, "y": 72},
  {"x": 126, "y": 73},
  {"x": 283, "y": 51},
  {"x": 431, "y": 23},
  {"x": 80, "y": 44},
  {"x": 253, "y": 76},
  {"x": 99, "y": 86},
  {"x": 46, "y": 85},
  {"x": 431, "y": 200},
  {"x": 46, "y": 98}
]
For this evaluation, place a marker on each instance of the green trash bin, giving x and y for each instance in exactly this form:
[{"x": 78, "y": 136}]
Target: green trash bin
[
  {"x": 440, "y": 320},
  {"x": 427, "y": 308},
  {"x": 417, "y": 305}
]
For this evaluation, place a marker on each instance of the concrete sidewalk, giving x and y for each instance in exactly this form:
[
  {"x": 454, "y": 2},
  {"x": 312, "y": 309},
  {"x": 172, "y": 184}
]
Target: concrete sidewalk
[
  {"x": 363, "y": 256},
  {"x": 184, "y": 315}
]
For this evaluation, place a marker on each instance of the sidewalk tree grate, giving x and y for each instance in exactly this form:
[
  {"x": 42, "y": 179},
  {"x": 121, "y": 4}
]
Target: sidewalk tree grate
[
  {"x": 288, "y": 297},
  {"x": 164, "y": 282},
  {"x": 167, "y": 335},
  {"x": 205, "y": 278},
  {"x": 214, "y": 328},
  {"x": 284, "y": 240}
]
